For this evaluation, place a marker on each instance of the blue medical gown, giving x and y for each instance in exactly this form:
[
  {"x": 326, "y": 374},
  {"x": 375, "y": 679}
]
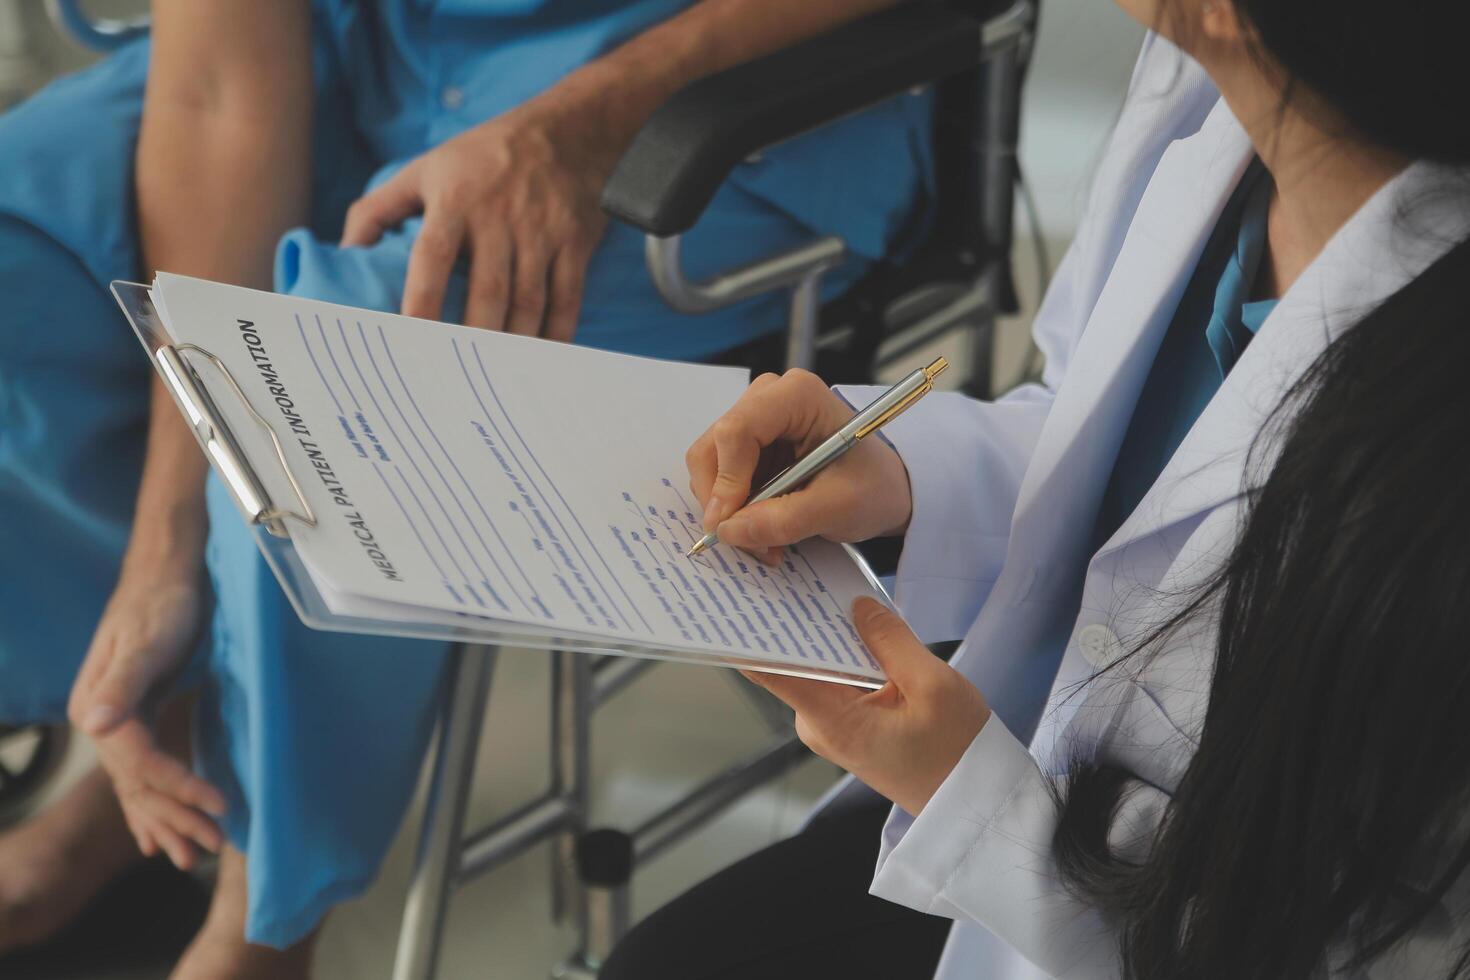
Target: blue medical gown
[{"x": 317, "y": 738}]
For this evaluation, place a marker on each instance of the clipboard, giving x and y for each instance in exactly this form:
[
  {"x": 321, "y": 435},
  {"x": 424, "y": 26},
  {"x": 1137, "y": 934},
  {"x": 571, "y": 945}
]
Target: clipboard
[{"x": 182, "y": 367}]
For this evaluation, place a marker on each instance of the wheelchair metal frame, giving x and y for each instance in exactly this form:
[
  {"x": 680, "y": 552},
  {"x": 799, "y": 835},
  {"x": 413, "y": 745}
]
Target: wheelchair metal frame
[
  {"x": 98, "y": 33},
  {"x": 448, "y": 858}
]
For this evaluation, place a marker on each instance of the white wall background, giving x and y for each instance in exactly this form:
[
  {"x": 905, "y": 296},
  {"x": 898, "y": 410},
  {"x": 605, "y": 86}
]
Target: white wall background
[{"x": 1084, "y": 58}]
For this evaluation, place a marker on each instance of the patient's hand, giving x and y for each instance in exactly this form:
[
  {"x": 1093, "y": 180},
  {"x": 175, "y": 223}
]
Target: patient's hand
[
  {"x": 144, "y": 639},
  {"x": 520, "y": 194}
]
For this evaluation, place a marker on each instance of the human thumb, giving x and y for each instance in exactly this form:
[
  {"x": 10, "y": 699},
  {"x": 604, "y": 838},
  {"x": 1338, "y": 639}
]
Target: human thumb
[
  {"x": 119, "y": 692},
  {"x": 898, "y": 651}
]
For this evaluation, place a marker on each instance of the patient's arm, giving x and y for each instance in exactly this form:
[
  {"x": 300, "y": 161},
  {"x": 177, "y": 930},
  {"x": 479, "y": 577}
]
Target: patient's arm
[
  {"x": 223, "y": 168},
  {"x": 521, "y": 193}
]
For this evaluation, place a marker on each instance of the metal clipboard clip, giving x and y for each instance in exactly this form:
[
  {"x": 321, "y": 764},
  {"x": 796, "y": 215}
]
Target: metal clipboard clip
[{"x": 205, "y": 419}]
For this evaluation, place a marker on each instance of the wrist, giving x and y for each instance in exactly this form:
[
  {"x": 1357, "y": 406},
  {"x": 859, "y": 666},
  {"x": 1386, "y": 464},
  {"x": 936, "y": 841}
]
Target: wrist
[
  {"x": 167, "y": 542},
  {"x": 964, "y": 729},
  {"x": 607, "y": 102}
]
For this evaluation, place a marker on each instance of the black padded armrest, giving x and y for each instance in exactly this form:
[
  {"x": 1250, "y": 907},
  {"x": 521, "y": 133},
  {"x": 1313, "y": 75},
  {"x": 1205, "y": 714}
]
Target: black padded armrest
[{"x": 688, "y": 147}]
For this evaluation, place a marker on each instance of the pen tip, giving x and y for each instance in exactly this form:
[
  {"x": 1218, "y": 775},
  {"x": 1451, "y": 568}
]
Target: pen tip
[
  {"x": 698, "y": 547},
  {"x": 937, "y": 368}
]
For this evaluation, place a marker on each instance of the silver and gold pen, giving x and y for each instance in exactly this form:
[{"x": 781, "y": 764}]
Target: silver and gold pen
[{"x": 884, "y": 409}]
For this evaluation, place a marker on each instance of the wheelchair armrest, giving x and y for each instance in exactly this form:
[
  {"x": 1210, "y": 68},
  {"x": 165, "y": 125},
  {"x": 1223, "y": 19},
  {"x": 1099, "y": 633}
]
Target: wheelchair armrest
[{"x": 688, "y": 147}]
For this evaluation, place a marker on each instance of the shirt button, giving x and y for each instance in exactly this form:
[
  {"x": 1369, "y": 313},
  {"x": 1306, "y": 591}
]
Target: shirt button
[
  {"x": 452, "y": 98},
  {"x": 1099, "y": 645}
]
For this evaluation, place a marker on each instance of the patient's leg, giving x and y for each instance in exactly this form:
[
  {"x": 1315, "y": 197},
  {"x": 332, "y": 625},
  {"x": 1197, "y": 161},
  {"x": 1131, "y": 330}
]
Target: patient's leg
[
  {"x": 220, "y": 951},
  {"x": 52, "y": 865}
]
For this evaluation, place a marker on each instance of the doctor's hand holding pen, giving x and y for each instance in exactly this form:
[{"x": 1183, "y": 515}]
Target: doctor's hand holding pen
[
  {"x": 779, "y": 419},
  {"x": 904, "y": 739}
]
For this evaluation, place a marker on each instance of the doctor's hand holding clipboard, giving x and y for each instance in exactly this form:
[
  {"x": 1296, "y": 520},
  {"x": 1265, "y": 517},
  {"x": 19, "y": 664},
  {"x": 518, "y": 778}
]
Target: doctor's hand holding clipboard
[{"x": 904, "y": 739}]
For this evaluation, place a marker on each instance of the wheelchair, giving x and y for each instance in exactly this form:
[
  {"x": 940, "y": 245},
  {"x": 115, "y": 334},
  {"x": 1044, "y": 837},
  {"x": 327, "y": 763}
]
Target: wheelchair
[{"x": 954, "y": 284}]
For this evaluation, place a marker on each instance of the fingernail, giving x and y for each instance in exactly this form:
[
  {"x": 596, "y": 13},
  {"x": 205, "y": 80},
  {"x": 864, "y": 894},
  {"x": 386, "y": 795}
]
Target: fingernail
[
  {"x": 99, "y": 718},
  {"x": 712, "y": 512}
]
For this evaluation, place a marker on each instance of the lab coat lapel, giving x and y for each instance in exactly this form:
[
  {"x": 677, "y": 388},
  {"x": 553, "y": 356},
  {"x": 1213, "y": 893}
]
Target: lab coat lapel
[
  {"x": 1190, "y": 188},
  {"x": 1345, "y": 283},
  {"x": 1209, "y": 467}
]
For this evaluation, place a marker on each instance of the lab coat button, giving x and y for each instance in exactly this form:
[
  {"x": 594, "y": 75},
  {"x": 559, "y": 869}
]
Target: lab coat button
[
  {"x": 452, "y": 97},
  {"x": 1099, "y": 645}
]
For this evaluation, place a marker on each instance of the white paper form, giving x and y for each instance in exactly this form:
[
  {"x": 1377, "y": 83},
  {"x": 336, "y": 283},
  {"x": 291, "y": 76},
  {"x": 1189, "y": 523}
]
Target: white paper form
[{"x": 463, "y": 472}]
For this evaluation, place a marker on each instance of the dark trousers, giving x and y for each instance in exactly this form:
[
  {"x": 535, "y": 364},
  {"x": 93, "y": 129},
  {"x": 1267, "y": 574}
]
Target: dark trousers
[{"x": 797, "y": 910}]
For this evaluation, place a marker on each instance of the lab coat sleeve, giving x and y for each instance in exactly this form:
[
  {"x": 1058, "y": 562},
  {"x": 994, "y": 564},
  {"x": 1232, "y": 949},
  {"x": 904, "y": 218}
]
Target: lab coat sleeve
[
  {"x": 981, "y": 851},
  {"x": 965, "y": 460}
]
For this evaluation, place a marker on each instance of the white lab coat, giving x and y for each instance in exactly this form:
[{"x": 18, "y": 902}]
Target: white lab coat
[{"x": 1006, "y": 496}]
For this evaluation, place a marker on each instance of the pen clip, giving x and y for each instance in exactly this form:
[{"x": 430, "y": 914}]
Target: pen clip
[
  {"x": 894, "y": 410},
  {"x": 933, "y": 370}
]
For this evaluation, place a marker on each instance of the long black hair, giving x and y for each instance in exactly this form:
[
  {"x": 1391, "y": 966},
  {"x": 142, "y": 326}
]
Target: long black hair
[{"x": 1326, "y": 811}]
